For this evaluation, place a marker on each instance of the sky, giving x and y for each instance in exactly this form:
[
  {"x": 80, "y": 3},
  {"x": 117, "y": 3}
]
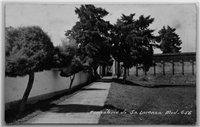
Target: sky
[{"x": 55, "y": 19}]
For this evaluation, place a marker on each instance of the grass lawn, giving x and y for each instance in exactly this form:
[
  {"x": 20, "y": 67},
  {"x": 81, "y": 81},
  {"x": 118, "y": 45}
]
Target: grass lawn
[{"x": 166, "y": 104}]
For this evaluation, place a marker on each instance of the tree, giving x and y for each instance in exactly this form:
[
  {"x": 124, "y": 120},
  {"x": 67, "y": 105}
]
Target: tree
[
  {"x": 124, "y": 26},
  {"x": 71, "y": 70},
  {"x": 91, "y": 33},
  {"x": 28, "y": 50},
  {"x": 62, "y": 57},
  {"x": 169, "y": 41},
  {"x": 145, "y": 42},
  {"x": 67, "y": 60},
  {"x": 134, "y": 42}
]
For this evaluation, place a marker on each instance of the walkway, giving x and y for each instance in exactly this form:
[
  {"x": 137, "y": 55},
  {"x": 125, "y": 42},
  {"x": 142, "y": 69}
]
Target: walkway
[{"x": 77, "y": 108}]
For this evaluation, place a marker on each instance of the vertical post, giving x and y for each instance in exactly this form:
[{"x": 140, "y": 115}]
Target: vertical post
[
  {"x": 145, "y": 72},
  {"x": 114, "y": 68},
  {"x": 193, "y": 67},
  {"x": 163, "y": 67},
  {"x": 103, "y": 70},
  {"x": 172, "y": 67},
  {"x": 182, "y": 67},
  {"x": 106, "y": 70},
  {"x": 191, "y": 61},
  {"x": 127, "y": 71},
  {"x": 154, "y": 70},
  {"x": 100, "y": 70},
  {"x": 136, "y": 70},
  {"x": 118, "y": 69}
]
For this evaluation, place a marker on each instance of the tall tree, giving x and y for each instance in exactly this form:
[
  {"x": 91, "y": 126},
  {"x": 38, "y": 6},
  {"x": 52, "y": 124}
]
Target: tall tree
[
  {"x": 91, "y": 33},
  {"x": 71, "y": 70},
  {"x": 66, "y": 58},
  {"x": 169, "y": 41},
  {"x": 134, "y": 42},
  {"x": 61, "y": 58},
  {"x": 28, "y": 50}
]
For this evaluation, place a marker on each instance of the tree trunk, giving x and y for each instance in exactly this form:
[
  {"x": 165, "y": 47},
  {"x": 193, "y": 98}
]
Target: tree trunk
[
  {"x": 118, "y": 69},
  {"x": 124, "y": 77},
  {"x": 144, "y": 72},
  {"x": 90, "y": 74},
  {"x": 144, "y": 75},
  {"x": 71, "y": 82},
  {"x": 27, "y": 92},
  {"x": 96, "y": 75},
  {"x": 94, "y": 72}
]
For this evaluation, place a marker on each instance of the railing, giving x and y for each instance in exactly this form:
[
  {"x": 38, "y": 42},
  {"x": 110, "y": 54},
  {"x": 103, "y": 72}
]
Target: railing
[{"x": 173, "y": 64}]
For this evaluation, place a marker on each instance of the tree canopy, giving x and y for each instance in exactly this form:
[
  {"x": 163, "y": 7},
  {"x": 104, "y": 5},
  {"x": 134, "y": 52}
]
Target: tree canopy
[
  {"x": 130, "y": 40},
  {"x": 134, "y": 41},
  {"x": 91, "y": 33},
  {"x": 67, "y": 59},
  {"x": 169, "y": 41},
  {"x": 63, "y": 56},
  {"x": 27, "y": 49}
]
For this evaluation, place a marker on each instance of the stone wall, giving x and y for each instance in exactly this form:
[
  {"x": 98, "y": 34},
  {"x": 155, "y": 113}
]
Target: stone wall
[{"x": 46, "y": 85}]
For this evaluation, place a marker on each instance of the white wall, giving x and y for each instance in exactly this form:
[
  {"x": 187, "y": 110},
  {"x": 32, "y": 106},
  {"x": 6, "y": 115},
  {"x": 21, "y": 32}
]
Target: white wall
[{"x": 45, "y": 82}]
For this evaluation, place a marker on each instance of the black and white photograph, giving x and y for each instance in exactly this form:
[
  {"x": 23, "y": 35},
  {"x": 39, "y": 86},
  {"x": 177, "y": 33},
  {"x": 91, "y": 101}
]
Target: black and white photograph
[{"x": 100, "y": 63}]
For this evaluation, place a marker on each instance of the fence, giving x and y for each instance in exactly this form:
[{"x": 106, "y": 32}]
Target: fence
[
  {"x": 171, "y": 64},
  {"x": 166, "y": 64}
]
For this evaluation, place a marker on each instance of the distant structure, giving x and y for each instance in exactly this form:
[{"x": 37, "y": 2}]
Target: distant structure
[
  {"x": 166, "y": 64},
  {"x": 176, "y": 57}
]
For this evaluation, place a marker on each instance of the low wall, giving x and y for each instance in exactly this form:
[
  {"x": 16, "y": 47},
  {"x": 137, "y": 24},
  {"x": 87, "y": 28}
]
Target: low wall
[
  {"x": 175, "y": 68},
  {"x": 46, "y": 85},
  {"x": 171, "y": 64}
]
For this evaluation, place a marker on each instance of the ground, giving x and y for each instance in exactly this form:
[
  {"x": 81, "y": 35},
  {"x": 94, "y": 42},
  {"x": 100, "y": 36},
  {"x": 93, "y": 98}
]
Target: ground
[
  {"x": 139, "y": 101},
  {"x": 158, "y": 103},
  {"x": 32, "y": 110}
]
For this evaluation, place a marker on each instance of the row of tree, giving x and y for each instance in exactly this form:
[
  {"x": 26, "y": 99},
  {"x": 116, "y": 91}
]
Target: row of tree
[
  {"x": 91, "y": 42},
  {"x": 30, "y": 50},
  {"x": 129, "y": 40}
]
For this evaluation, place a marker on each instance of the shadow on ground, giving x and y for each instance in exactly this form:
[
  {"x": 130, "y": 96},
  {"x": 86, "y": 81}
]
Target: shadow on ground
[
  {"x": 75, "y": 108},
  {"x": 121, "y": 81},
  {"x": 84, "y": 89},
  {"x": 11, "y": 115},
  {"x": 144, "y": 83}
]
